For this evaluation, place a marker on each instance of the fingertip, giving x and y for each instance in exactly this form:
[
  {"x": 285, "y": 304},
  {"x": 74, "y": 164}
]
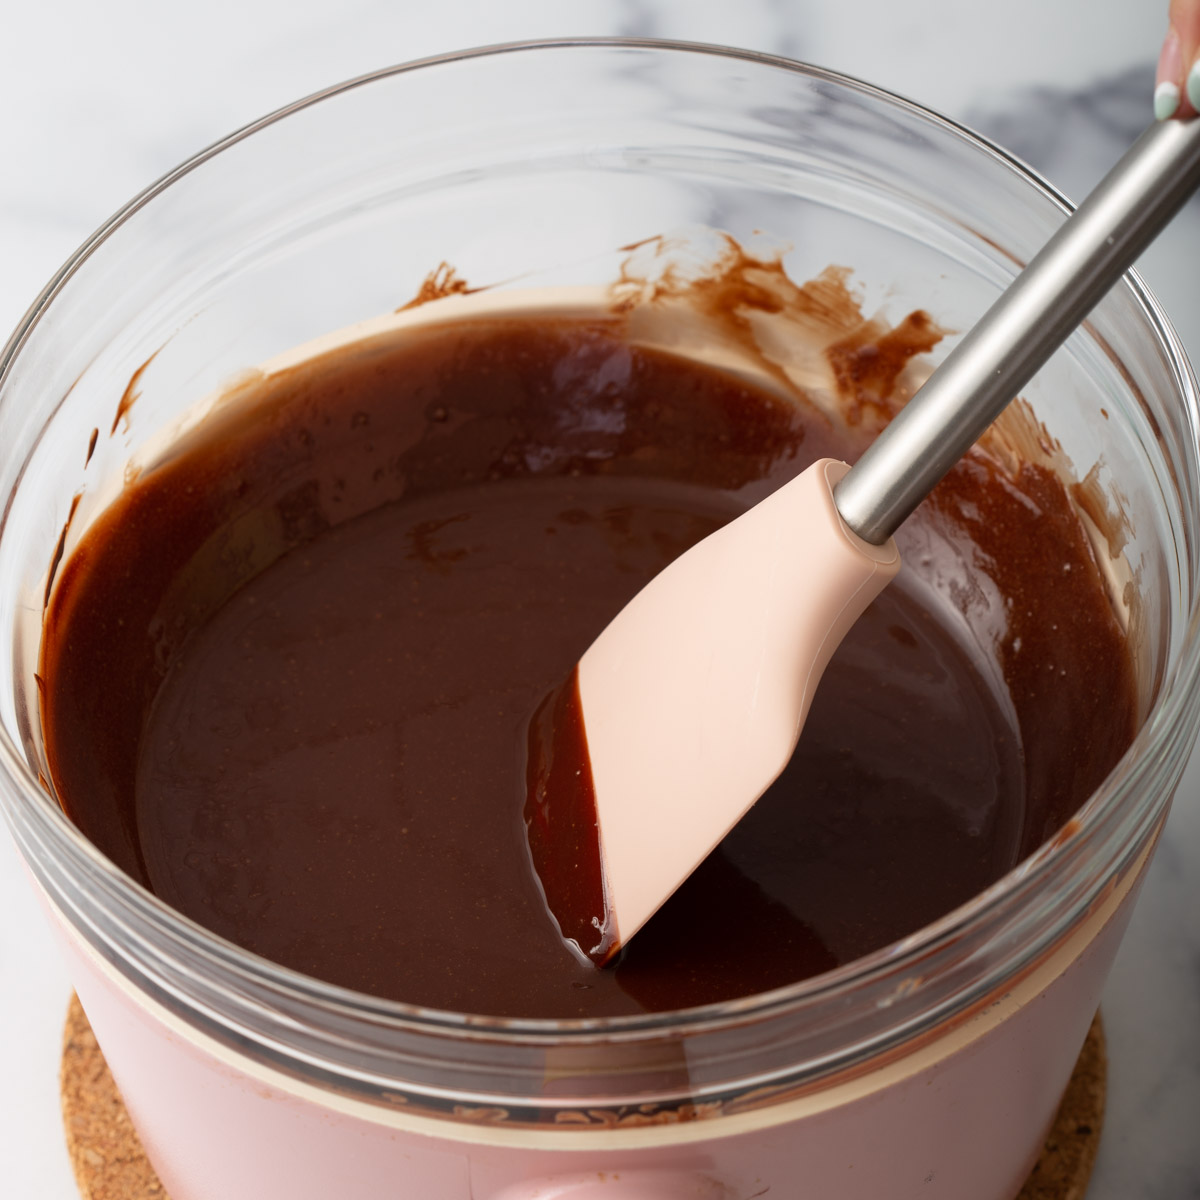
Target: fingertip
[
  {"x": 1193, "y": 86},
  {"x": 1166, "y": 100},
  {"x": 1176, "y": 89}
]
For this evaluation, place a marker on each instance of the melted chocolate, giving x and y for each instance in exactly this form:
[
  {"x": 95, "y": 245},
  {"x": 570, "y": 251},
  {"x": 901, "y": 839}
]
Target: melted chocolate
[
  {"x": 563, "y": 826},
  {"x": 290, "y": 674}
]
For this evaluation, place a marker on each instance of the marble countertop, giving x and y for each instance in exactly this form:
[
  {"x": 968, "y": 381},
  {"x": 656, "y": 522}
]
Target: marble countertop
[{"x": 97, "y": 100}]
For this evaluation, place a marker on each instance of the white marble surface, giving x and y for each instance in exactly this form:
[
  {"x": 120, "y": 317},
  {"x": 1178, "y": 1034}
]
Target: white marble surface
[{"x": 96, "y": 100}]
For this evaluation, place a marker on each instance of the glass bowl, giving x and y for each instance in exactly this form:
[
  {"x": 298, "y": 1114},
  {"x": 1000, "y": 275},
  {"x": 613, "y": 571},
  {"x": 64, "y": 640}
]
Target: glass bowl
[{"x": 934, "y": 1064}]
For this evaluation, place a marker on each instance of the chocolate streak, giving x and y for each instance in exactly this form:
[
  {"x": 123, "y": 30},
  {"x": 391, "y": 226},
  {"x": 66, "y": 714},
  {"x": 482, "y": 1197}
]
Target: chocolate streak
[{"x": 563, "y": 825}]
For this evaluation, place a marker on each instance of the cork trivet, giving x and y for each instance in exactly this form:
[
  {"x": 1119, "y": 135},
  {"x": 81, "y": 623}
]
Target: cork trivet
[
  {"x": 110, "y": 1164},
  {"x": 105, "y": 1151},
  {"x": 1063, "y": 1171}
]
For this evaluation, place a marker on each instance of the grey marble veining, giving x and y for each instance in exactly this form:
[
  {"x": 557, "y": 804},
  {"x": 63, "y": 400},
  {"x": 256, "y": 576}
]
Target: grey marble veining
[
  {"x": 1072, "y": 136},
  {"x": 1070, "y": 132}
]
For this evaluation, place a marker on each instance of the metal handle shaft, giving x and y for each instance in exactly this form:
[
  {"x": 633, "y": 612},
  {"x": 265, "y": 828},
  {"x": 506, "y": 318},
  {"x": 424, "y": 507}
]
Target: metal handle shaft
[{"x": 1033, "y": 317}]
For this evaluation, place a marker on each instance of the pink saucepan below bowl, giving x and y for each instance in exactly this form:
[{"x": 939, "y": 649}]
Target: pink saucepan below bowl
[{"x": 929, "y": 1069}]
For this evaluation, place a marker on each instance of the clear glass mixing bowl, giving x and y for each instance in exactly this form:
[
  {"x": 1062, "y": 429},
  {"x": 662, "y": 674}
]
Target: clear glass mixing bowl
[{"x": 540, "y": 162}]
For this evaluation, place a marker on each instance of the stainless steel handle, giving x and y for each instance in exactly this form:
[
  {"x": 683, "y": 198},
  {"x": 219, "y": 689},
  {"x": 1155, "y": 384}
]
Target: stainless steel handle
[{"x": 1034, "y": 316}]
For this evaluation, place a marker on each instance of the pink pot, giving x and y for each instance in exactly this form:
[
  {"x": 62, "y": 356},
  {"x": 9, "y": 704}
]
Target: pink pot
[
  {"x": 931, "y": 1068},
  {"x": 960, "y": 1112}
]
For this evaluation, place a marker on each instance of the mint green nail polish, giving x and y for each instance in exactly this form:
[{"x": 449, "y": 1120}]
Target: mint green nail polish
[
  {"x": 1166, "y": 100},
  {"x": 1193, "y": 86}
]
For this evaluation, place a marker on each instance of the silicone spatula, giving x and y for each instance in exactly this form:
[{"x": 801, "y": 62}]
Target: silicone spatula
[{"x": 690, "y": 703}]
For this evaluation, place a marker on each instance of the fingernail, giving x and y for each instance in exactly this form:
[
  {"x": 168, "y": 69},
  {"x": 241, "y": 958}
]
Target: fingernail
[
  {"x": 1166, "y": 100},
  {"x": 1193, "y": 86},
  {"x": 1168, "y": 77}
]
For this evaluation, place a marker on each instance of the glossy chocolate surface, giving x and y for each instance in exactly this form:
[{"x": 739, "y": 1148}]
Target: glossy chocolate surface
[{"x": 289, "y": 675}]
